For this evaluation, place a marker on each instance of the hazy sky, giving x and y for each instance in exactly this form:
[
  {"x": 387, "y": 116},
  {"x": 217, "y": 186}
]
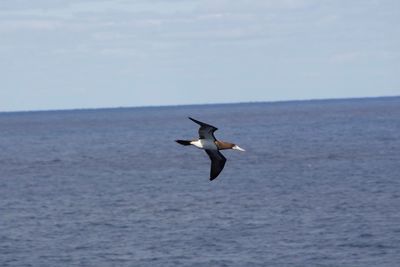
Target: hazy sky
[{"x": 57, "y": 54}]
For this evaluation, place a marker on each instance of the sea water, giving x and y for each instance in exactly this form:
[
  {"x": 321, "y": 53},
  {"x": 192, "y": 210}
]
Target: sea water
[{"x": 318, "y": 185}]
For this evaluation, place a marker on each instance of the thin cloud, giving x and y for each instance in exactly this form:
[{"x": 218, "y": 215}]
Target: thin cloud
[
  {"x": 196, "y": 44},
  {"x": 346, "y": 57}
]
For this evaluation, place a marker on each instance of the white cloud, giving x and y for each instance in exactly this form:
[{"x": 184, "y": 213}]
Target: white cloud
[
  {"x": 179, "y": 43},
  {"x": 29, "y": 24},
  {"x": 346, "y": 57}
]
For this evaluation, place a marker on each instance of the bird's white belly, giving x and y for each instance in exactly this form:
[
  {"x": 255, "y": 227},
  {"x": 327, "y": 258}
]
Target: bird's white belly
[{"x": 205, "y": 144}]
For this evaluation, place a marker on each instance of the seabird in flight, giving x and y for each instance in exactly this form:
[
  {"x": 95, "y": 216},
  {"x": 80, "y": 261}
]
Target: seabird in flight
[{"x": 211, "y": 145}]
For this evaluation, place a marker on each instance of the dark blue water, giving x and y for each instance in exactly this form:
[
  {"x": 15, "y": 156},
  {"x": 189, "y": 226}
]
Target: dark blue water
[{"x": 319, "y": 185}]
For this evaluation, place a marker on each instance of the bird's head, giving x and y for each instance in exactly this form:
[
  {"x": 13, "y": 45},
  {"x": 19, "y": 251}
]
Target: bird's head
[{"x": 226, "y": 145}]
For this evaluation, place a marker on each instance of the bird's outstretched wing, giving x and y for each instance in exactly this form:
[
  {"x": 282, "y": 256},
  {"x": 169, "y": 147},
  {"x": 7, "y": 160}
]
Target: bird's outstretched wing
[
  {"x": 206, "y": 131},
  {"x": 217, "y": 163}
]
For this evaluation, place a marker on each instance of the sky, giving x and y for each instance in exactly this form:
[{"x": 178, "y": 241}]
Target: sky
[{"x": 66, "y": 54}]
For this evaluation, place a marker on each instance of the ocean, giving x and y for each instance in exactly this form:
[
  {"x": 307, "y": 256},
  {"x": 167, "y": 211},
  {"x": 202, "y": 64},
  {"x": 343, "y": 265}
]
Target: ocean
[{"x": 318, "y": 185}]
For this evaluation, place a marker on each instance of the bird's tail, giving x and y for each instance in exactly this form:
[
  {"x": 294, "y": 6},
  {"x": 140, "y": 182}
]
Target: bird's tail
[{"x": 183, "y": 142}]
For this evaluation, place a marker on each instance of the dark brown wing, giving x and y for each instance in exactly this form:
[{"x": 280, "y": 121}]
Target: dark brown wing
[
  {"x": 217, "y": 163},
  {"x": 206, "y": 131}
]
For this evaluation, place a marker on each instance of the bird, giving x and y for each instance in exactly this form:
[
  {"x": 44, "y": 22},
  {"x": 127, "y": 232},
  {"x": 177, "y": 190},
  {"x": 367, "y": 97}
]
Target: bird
[{"x": 211, "y": 145}]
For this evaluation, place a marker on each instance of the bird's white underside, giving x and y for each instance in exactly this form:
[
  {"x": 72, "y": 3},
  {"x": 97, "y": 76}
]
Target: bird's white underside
[{"x": 204, "y": 144}]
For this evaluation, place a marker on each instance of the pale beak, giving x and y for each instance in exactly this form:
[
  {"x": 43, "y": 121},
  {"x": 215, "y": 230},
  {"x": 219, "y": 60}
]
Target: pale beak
[{"x": 236, "y": 147}]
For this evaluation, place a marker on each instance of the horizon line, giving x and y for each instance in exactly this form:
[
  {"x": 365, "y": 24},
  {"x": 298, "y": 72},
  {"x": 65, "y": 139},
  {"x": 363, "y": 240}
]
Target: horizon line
[{"x": 198, "y": 104}]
